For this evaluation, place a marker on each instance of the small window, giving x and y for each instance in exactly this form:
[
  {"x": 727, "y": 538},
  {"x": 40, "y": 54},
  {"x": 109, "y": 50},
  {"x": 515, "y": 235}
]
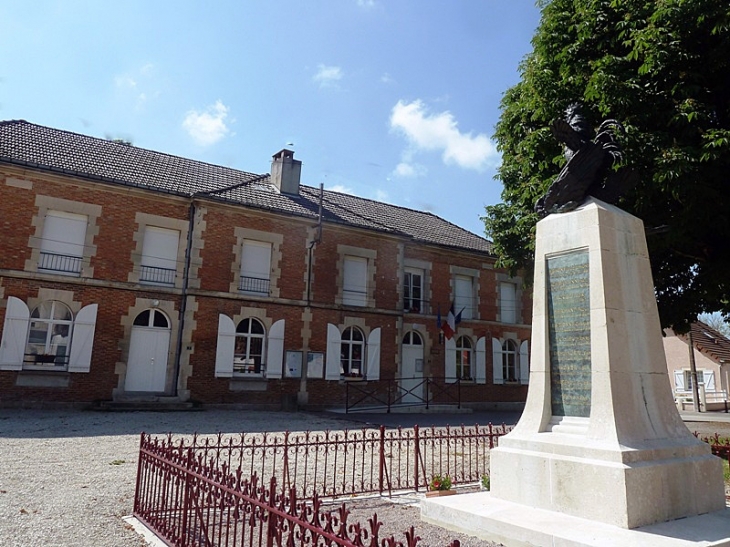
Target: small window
[
  {"x": 688, "y": 379},
  {"x": 249, "y": 348},
  {"x": 355, "y": 286},
  {"x": 464, "y": 358},
  {"x": 49, "y": 336},
  {"x": 508, "y": 302},
  {"x": 464, "y": 296},
  {"x": 352, "y": 350},
  {"x": 152, "y": 318},
  {"x": 510, "y": 367},
  {"x": 255, "y": 268},
  {"x": 62, "y": 246},
  {"x": 412, "y": 338},
  {"x": 413, "y": 291},
  {"x": 158, "y": 265}
]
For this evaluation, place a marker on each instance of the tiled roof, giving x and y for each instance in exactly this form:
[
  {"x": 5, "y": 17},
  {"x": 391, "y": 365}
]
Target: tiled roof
[
  {"x": 90, "y": 157},
  {"x": 710, "y": 342}
]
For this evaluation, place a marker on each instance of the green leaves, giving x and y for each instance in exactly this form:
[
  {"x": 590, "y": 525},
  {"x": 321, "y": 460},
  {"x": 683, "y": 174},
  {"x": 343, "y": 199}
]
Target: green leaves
[{"x": 661, "y": 68}]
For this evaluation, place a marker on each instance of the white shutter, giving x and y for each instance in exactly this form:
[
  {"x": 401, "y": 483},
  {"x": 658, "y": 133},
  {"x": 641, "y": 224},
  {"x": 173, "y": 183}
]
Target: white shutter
[
  {"x": 450, "y": 363},
  {"x": 709, "y": 377},
  {"x": 82, "y": 339},
  {"x": 481, "y": 372},
  {"x": 372, "y": 372},
  {"x": 679, "y": 380},
  {"x": 464, "y": 297},
  {"x": 508, "y": 302},
  {"x": 64, "y": 233},
  {"x": 332, "y": 364},
  {"x": 226, "y": 347},
  {"x": 524, "y": 363},
  {"x": 497, "y": 375},
  {"x": 275, "y": 358},
  {"x": 15, "y": 334},
  {"x": 159, "y": 248},
  {"x": 256, "y": 259},
  {"x": 354, "y": 286}
]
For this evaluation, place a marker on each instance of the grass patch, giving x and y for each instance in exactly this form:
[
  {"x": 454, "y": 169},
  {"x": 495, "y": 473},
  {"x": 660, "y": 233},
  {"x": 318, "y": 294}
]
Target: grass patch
[{"x": 117, "y": 462}]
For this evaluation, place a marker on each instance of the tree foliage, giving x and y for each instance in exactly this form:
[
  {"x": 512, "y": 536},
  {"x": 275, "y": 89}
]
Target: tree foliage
[{"x": 662, "y": 68}]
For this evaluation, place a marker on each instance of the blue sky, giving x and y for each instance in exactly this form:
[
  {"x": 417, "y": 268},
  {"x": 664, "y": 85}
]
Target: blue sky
[{"x": 394, "y": 100}]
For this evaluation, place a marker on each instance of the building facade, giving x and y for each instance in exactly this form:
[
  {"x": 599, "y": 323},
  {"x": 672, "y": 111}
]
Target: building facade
[{"x": 131, "y": 274}]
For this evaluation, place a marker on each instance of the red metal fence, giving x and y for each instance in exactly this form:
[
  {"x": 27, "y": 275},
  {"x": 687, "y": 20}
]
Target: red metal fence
[
  {"x": 189, "y": 503},
  {"x": 348, "y": 462}
]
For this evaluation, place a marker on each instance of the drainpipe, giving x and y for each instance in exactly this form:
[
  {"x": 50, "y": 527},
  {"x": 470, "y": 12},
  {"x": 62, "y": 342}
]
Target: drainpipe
[
  {"x": 184, "y": 297},
  {"x": 693, "y": 372}
]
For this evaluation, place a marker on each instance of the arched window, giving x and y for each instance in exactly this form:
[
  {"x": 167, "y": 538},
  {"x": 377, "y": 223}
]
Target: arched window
[
  {"x": 510, "y": 368},
  {"x": 49, "y": 337},
  {"x": 412, "y": 338},
  {"x": 464, "y": 358},
  {"x": 352, "y": 351},
  {"x": 152, "y": 318},
  {"x": 249, "y": 349}
]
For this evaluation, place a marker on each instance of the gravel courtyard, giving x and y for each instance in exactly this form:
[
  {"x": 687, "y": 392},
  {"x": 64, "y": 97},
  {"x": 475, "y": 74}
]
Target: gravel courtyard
[{"x": 68, "y": 476}]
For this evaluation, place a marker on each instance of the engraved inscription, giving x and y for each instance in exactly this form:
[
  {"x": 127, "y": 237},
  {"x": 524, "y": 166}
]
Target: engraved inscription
[{"x": 569, "y": 326}]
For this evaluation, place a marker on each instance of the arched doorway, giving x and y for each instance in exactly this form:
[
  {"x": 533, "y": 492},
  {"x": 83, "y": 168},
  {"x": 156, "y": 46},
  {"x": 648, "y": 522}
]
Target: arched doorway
[
  {"x": 149, "y": 347},
  {"x": 411, "y": 377}
]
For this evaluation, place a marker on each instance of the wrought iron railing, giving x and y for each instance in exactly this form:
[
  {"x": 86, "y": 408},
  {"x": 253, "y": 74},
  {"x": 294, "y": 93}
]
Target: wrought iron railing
[
  {"x": 190, "y": 501},
  {"x": 254, "y": 285},
  {"x": 385, "y": 394},
  {"x": 414, "y": 305},
  {"x": 348, "y": 462},
  {"x": 153, "y": 274},
  {"x": 53, "y": 262}
]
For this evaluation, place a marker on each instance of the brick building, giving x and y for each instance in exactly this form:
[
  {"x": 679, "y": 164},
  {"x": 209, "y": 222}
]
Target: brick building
[{"x": 127, "y": 273}]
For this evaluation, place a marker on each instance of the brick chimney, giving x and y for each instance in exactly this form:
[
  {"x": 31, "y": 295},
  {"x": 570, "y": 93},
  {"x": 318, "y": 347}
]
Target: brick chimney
[{"x": 286, "y": 172}]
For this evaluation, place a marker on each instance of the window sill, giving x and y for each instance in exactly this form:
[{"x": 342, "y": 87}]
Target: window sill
[
  {"x": 353, "y": 378},
  {"x": 43, "y": 378}
]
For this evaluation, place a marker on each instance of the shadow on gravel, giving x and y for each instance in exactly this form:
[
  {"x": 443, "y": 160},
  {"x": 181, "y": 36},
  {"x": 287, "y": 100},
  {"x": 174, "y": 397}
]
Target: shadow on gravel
[{"x": 46, "y": 423}]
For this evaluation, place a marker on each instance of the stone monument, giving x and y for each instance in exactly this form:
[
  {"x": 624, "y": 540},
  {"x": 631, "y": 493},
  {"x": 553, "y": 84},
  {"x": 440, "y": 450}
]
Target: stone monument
[{"x": 600, "y": 451}]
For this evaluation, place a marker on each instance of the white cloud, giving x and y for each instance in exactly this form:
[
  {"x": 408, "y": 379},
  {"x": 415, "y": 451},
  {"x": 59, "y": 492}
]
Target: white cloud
[
  {"x": 342, "y": 189},
  {"x": 408, "y": 169},
  {"x": 387, "y": 79},
  {"x": 327, "y": 75},
  {"x": 440, "y": 132},
  {"x": 207, "y": 127},
  {"x": 366, "y": 3}
]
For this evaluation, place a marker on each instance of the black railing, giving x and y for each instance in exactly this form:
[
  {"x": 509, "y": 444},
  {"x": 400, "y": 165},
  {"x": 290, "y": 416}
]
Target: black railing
[
  {"x": 412, "y": 305},
  {"x": 254, "y": 285},
  {"x": 160, "y": 276},
  {"x": 388, "y": 393},
  {"x": 45, "y": 360},
  {"x": 53, "y": 262}
]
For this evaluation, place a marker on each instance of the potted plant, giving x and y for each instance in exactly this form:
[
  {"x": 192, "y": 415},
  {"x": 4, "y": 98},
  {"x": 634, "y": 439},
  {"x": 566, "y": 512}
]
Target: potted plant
[{"x": 440, "y": 485}]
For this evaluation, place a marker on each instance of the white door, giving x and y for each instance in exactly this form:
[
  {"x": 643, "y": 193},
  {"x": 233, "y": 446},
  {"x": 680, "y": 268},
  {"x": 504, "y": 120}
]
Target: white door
[
  {"x": 149, "y": 346},
  {"x": 411, "y": 380}
]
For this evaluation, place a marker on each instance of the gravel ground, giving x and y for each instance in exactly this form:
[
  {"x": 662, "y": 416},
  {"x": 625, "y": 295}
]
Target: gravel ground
[{"x": 68, "y": 476}]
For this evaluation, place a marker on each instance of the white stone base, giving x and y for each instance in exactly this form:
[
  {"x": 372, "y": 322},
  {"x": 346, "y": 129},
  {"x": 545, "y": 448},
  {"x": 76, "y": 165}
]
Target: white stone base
[{"x": 515, "y": 525}]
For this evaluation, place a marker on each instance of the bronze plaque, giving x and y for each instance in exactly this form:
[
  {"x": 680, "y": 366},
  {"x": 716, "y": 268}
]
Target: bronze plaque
[{"x": 569, "y": 326}]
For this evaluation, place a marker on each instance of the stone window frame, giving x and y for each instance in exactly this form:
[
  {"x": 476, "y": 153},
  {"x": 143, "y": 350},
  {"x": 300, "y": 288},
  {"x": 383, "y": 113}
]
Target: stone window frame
[
  {"x": 48, "y": 203},
  {"x": 276, "y": 241},
  {"x": 517, "y": 282},
  {"x": 473, "y": 273},
  {"x": 370, "y": 255},
  {"x": 426, "y": 296},
  {"x": 142, "y": 220}
]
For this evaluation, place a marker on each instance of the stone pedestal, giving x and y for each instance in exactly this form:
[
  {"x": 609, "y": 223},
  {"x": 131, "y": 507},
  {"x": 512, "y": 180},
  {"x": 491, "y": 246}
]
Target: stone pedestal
[{"x": 600, "y": 437}]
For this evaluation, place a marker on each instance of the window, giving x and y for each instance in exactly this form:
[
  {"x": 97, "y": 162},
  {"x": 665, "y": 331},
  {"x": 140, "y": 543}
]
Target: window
[
  {"x": 464, "y": 296},
  {"x": 249, "y": 349},
  {"x": 354, "y": 287},
  {"x": 510, "y": 369},
  {"x": 413, "y": 291},
  {"x": 704, "y": 378},
  {"x": 508, "y": 302},
  {"x": 49, "y": 336},
  {"x": 159, "y": 256},
  {"x": 151, "y": 318},
  {"x": 255, "y": 267},
  {"x": 62, "y": 243},
  {"x": 352, "y": 349},
  {"x": 464, "y": 358}
]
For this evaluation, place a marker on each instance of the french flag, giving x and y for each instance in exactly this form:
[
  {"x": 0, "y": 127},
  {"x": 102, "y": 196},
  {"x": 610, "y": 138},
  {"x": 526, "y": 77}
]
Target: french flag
[{"x": 449, "y": 327}]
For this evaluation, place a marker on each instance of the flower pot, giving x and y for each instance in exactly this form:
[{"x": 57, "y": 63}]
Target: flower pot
[{"x": 439, "y": 493}]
